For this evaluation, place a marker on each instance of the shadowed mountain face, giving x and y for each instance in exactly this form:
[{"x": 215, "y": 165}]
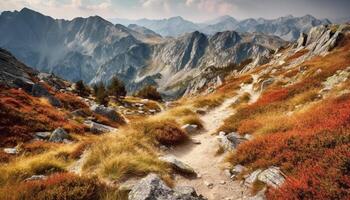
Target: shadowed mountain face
[{"x": 93, "y": 49}]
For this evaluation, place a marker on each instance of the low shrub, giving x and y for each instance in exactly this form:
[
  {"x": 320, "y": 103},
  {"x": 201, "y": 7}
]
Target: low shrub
[
  {"x": 57, "y": 186},
  {"x": 192, "y": 119},
  {"x": 166, "y": 132}
]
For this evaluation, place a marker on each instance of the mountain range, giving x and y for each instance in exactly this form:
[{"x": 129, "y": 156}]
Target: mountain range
[
  {"x": 94, "y": 50},
  {"x": 288, "y": 27}
]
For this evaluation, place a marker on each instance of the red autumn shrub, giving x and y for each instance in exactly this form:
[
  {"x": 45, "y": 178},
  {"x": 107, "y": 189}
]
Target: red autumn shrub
[
  {"x": 22, "y": 114},
  {"x": 315, "y": 153},
  {"x": 70, "y": 101},
  {"x": 166, "y": 132},
  {"x": 58, "y": 186}
]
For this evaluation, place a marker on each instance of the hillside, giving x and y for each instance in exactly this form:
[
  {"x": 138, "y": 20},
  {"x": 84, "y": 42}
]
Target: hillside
[{"x": 278, "y": 129}]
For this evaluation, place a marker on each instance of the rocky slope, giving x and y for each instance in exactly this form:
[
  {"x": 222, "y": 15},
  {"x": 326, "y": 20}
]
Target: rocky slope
[
  {"x": 94, "y": 50},
  {"x": 173, "y": 64},
  {"x": 72, "y": 49}
]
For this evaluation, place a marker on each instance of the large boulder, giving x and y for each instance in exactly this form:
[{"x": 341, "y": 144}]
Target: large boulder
[
  {"x": 153, "y": 188},
  {"x": 108, "y": 112},
  {"x": 59, "y": 135},
  {"x": 178, "y": 164},
  {"x": 99, "y": 128},
  {"x": 40, "y": 91}
]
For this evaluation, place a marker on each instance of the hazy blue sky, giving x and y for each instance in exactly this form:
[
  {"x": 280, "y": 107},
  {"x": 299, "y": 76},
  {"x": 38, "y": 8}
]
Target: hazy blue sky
[{"x": 196, "y": 10}]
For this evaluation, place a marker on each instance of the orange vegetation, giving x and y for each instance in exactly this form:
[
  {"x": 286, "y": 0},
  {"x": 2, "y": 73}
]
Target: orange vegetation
[
  {"x": 57, "y": 186},
  {"x": 21, "y": 115},
  {"x": 312, "y": 146}
]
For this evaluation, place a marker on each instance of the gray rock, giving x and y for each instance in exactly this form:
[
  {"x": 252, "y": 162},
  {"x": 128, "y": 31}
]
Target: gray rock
[
  {"x": 43, "y": 135},
  {"x": 54, "y": 101},
  {"x": 39, "y": 91},
  {"x": 99, "y": 128},
  {"x": 272, "y": 177},
  {"x": 153, "y": 188},
  {"x": 108, "y": 112},
  {"x": 36, "y": 177},
  {"x": 177, "y": 164},
  {"x": 10, "y": 150},
  {"x": 79, "y": 113},
  {"x": 59, "y": 135},
  {"x": 189, "y": 128},
  {"x": 230, "y": 141}
]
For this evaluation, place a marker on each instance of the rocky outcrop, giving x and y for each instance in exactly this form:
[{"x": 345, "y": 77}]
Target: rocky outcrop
[
  {"x": 152, "y": 187},
  {"x": 108, "y": 112},
  {"x": 59, "y": 135},
  {"x": 99, "y": 128}
]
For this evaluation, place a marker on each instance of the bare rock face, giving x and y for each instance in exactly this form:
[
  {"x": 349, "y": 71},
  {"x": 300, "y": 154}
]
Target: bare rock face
[{"x": 153, "y": 188}]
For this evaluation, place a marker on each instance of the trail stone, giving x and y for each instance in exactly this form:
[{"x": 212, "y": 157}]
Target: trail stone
[
  {"x": 177, "y": 164},
  {"x": 189, "y": 128},
  {"x": 153, "y": 188}
]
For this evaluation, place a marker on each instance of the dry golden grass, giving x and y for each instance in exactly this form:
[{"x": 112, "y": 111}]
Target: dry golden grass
[
  {"x": 18, "y": 169},
  {"x": 210, "y": 101},
  {"x": 124, "y": 154},
  {"x": 192, "y": 119}
]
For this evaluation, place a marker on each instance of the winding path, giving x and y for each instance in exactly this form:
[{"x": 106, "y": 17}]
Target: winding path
[{"x": 202, "y": 157}]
